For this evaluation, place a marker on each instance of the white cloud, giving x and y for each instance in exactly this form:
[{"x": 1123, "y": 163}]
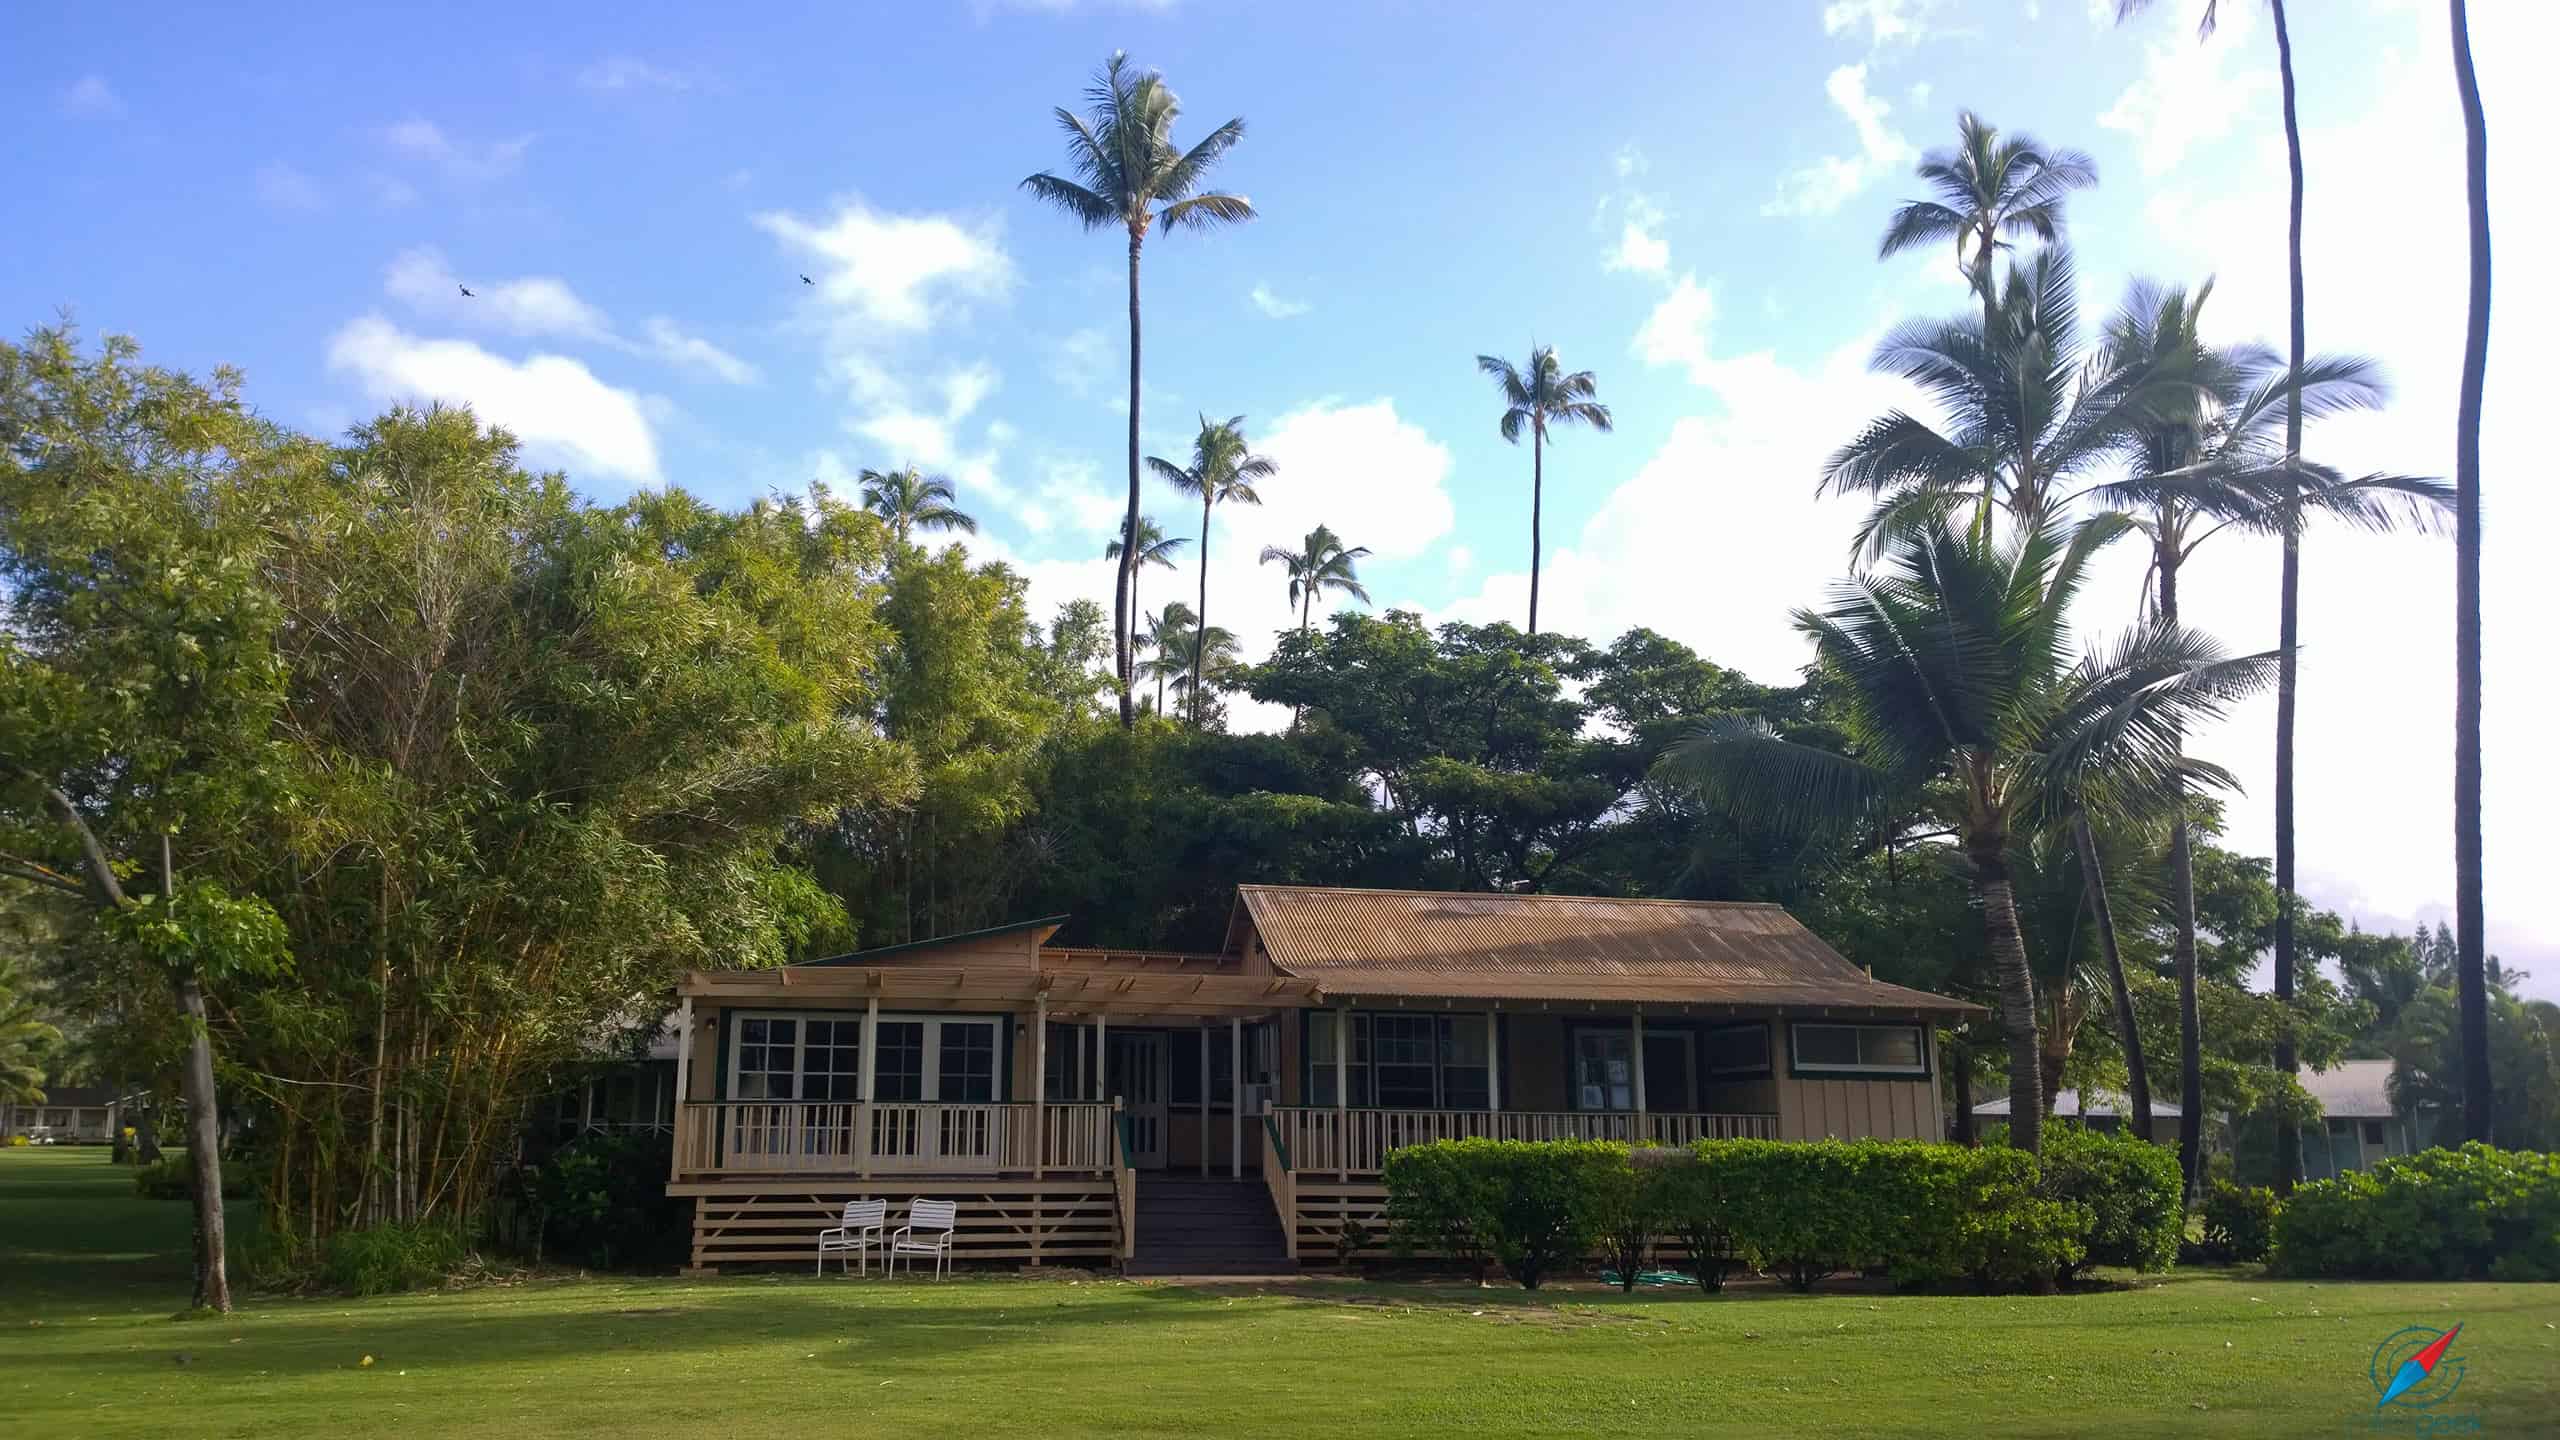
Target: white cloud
[
  {"x": 1630, "y": 161},
  {"x": 533, "y": 306},
  {"x": 283, "y": 187},
  {"x": 92, "y": 95},
  {"x": 1822, "y": 188},
  {"x": 1273, "y": 305},
  {"x": 625, "y": 72},
  {"x": 884, "y": 274},
  {"x": 464, "y": 162},
  {"x": 1676, "y": 332},
  {"x": 1640, "y": 247},
  {"x": 1884, "y": 21},
  {"x": 390, "y": 192},
  {"x": 697, "y": 355},
  {"x": 1078, "y": 361},
  {"x": 2192, "y": 94},
  {"x": 553, "y": 403}
]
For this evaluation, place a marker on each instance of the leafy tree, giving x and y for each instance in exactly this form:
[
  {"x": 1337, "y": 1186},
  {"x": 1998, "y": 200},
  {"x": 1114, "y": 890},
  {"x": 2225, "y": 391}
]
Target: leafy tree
[
  {"x": 1988, "y": 188},
  {"x": 27, "y": 1039},
  {"x": 1222, "y": 471},
  {"x": 1322, "y": 564},
  {"x": 1154, "y": 548},
  {"x": 1954, "y": 668},
  {"x": 910, "y": 500},
  {"x": 1539, "y": 398},
  {"x": 1129, "y": 173}
]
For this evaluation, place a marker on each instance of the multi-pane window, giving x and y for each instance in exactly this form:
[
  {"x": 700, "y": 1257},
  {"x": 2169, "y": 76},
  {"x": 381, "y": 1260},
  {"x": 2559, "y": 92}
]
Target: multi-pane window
[
  {"x": 1860, "y": 1049},
  {"x": 1404, "y": 1051},
  {"x": 898, "y": 1075},
  {"x": 790, "y": 1057},
  {"x": 1405, "y": 1062},
  {"x": 1604, "y": 1070},
  {"x": 768, "y": 1061},
  {"x": 968, "y": 1063},
  {"x": 1737, "y": 1050},
  {"x": 1466, "y": 1062}
]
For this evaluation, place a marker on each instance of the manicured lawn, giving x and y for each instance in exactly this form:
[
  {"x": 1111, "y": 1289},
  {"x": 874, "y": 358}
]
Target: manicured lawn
[{"x": 89, "y": 1276}]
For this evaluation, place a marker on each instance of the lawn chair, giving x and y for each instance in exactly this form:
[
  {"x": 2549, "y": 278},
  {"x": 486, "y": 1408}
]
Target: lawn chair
[
  {"x": 927, "y": 1232},
  {"x": 859, "y": 1232}
]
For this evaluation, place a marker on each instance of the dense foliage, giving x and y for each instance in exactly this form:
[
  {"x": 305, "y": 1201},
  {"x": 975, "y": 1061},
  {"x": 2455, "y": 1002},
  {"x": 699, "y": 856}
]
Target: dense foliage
[
  {"x": 602, "y": 1201},
  {"x": 2476, "y": 1213},
  {"x": 2131, "y": 1189}
]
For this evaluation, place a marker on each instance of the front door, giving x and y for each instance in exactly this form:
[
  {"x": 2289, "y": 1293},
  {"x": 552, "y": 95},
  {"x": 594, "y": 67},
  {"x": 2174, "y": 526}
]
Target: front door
[{"x": 1136, "y": 1074}]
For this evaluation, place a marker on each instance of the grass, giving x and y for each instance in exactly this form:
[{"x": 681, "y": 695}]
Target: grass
[{"x": 90, "y": 1276}]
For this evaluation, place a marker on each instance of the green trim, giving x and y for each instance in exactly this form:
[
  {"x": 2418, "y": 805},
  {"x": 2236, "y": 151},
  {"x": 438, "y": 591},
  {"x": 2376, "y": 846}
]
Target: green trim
[
  {"x": 1279, "y": 1146},
  {"x": 1927, "y": 1071},
  {"x": 865, "y": 957}
]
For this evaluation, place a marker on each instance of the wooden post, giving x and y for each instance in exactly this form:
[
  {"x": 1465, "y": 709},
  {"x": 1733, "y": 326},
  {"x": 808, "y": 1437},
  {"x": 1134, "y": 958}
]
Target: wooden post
[
  {"x": 1039, "y": 1100},
  {"x": 1493, "y": 1064},
  {"x": 684, "y": 1069},
  {"x": 1235, "y": 1098},
  {"x": 1204, "y": 1097},
  {"x": 870, "y": 1079},
  {"x": 1101, "y": 1061},
  {"x": 1342, "y": 1092},
  {"x": 1639, "y": 1136}
]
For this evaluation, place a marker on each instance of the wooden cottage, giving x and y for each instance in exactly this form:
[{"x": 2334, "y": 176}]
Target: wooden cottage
[{"x": 1198, "y": 1112}]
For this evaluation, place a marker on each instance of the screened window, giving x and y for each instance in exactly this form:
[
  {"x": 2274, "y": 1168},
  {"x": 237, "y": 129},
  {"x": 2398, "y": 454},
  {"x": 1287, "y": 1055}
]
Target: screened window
[
  {"x": 1070, "y": 1061},
  {"x": 1182, "y": 1064},
  {"x": 1404, "y": 1051},
  {"x": 1405, "y": 1062},
  {"x": 1860, "y": 1049},
  {"x": 1466, "y": 1062},
  {"x": 1738, "y": 1050}
]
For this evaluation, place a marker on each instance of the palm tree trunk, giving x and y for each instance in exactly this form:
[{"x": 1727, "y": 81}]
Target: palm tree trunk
[
  {"x": 2017, "y": 994},
  {"x": 1200, "y": 627},
  {"x": 1122, "y": 636},
  {"x": 2471, "y": 979},
  {"x": 2093, "y": 878},
  {"x": 2182, "y": 880},
  {"x": 1960, "y": 1060},
  {"x": 2289, "y": 624},
  {"x": 1537, "y": 503}
]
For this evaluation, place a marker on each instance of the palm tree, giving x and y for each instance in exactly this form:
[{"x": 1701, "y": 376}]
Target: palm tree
[
  {"x": 1202, "y": 656},
  {"x": 2212, "y": 458},
  {"x": 1536, "y": 400},
  {"x": 25, "y": 1040},
  {"x": 1952, "y": 665},
  {"x": 1161, "y": 633},
  {"x": 1987, "y": 188},
  {"x": 2029, "y": 408},
  {"x": 1222, "y": 470},
  {"x": 911, "y": 500},
  {"x": 1129, "y": 174},
  {"x": 1154, "y": 548},
  {"x": 2470, "y": 969},
  {"x": 1323, "y": 565},
  {"x": 2289, "y": 580}
]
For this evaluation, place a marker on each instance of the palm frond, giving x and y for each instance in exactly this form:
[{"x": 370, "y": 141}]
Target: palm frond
[
  {"x": 1087, "y": 208},
  {"x": 1742, "y": 766}
]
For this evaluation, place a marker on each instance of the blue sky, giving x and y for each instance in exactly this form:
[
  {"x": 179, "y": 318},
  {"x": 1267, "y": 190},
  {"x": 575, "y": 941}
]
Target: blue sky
[{"x": 1683, "y": 198}]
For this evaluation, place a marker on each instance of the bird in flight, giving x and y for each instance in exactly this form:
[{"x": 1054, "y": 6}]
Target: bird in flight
[
  {"x": 805, "y": 280},
  {"x": 466, "y": 292}
]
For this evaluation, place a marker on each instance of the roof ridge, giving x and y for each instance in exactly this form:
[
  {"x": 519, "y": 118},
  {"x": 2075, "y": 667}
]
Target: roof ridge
[{"x": 1510, "y": 895}]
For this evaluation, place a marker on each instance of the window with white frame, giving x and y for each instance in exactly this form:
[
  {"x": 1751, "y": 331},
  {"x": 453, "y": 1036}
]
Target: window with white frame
[
  {"x": 819, "y": 1057},
  {"x": 1858, "y": 1049},
  {"x": 1404, "y": 1061}
]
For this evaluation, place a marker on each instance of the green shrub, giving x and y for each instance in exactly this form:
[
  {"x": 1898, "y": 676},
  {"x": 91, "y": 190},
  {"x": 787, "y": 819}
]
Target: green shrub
[
  {"x": 1625, "y": 1202},
  {"x": 1439, "y": 1199},
  {"x": 603, "y": 1202},
  {"x": 1529, "y": 1204},
  {"x": 2472, "y": 1213},
  {"x": 2239, "y": 1221},
  {"x": 2131, "y": 1188},
  {"x": 397, "y": 1256},
  {"x": 173, "y": 1177},
  {"x": 1690, "y": 1204}
]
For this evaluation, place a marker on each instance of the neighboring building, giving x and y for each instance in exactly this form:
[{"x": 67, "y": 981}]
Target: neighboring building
[
  {"x": 2101, "y": 1112},
  {"x": 1063, "y": 1095},
  {"x": 2355, "y": 1096},
  {"x": 70, "y": 1114}
]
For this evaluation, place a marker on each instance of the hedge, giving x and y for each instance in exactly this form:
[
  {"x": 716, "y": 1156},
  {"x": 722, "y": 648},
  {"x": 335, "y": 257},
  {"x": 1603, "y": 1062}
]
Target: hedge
[
  {"x": 1925, "y": 1214},
  {"x": 2473, "y": 1213}
]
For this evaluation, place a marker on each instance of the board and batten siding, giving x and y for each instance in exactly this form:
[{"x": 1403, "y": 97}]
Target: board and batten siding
[{"x": 1862, "y": 1109}]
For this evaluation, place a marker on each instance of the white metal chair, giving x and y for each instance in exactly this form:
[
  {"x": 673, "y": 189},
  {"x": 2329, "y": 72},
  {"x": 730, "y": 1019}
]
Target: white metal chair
[
  {"x": 928, "y": 1231},
  {"x": 859, "y": 1232}
]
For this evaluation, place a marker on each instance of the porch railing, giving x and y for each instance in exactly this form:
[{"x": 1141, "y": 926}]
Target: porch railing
[
  {"x": 765, "y": 1137},
  {"x": 1321, "y": 1140}
]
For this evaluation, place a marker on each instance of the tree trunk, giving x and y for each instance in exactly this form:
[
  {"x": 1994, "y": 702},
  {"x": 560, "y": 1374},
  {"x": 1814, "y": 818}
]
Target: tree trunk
[
  {"x": 2182, "y": 880},
  {"x": 204, "y": 1150},
  {"x": 1200, "y": 626},
  {"x": 1960, "y": 1060},
  {"x": 2471, "y": 978},
  {"x": 1121, "y": 634},
  {"x": 2288, "y": 1135},
  {"x": 2017, "y": 996},
  {"x": 2128, "y": 1033},
  {"x": 1537, "y": 502}
]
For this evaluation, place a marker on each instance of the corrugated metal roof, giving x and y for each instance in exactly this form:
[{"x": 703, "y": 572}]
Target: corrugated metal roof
[
  {"x": 2351, "y": 1089},
  {"x": 1561, "y": 947},
  {"x": 2070, "y": 1104}
]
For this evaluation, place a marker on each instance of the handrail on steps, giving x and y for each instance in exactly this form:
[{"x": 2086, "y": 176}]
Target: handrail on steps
[{"x": 1279, "y": 1144}]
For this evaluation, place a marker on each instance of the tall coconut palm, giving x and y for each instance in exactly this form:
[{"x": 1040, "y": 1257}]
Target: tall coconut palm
[
  {"x": 1321, "y": 566},
  {"x": 2222, "y": 455},
  {"x": 1129, "y": 173},
  {"x": 1154, "y": 548},
  {"x": 1162, "y": 664},
  {"x": 1989, "y": 189},
  {"x": 2470, "y": 970},
  {"x": 1222, "y": 471},
  {"x": 1538, "y": 399},
  {"x": 1202, "y": 655},
  {"x": 911, "y": 500},
  {"x": 1953, "y": 666}
]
